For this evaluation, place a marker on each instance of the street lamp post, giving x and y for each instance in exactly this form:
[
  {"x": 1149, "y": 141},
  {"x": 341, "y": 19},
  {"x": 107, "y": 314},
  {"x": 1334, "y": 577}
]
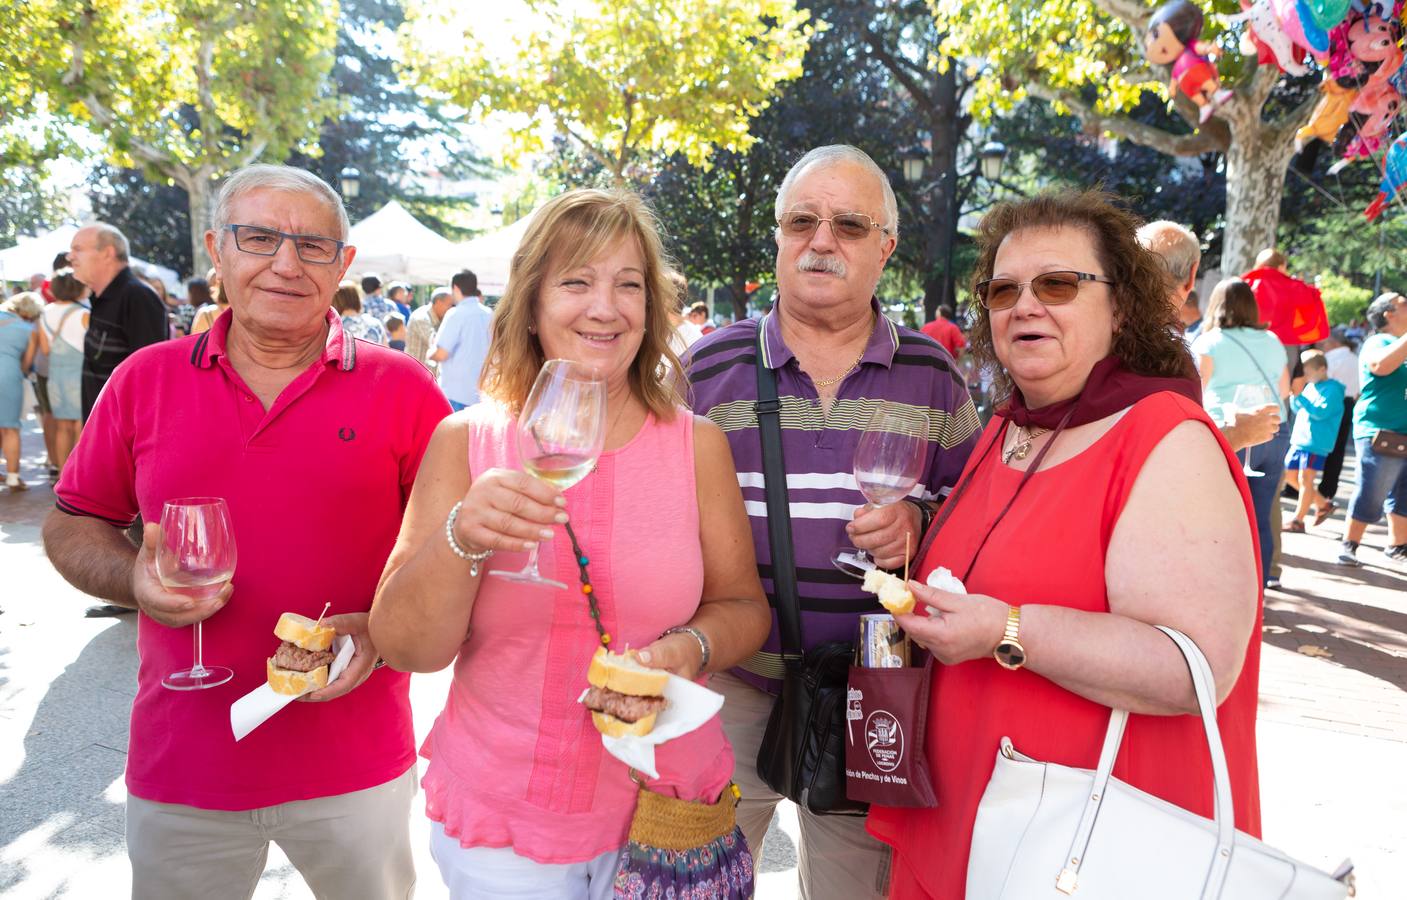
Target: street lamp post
[{"x": 351, "y": 183}]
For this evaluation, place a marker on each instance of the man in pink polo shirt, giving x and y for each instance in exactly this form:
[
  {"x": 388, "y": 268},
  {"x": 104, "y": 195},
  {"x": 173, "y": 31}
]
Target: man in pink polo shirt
[{"x": 313, "y": 439}]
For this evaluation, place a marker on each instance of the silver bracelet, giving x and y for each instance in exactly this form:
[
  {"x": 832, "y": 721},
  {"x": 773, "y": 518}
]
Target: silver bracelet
[
  {"x": 474, "y": 559},
  {"x": 698, "y": 636}
]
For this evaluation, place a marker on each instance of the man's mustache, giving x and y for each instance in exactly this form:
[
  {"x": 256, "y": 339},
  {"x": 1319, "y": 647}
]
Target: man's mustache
[{"x": 811, "y": 261}]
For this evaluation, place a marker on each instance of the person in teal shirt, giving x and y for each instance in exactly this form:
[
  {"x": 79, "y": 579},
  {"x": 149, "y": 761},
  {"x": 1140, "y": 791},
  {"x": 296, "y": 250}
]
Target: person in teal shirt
[
  {"x": 1382, "y": 406},
  {"x": 1319, "y": 407}
]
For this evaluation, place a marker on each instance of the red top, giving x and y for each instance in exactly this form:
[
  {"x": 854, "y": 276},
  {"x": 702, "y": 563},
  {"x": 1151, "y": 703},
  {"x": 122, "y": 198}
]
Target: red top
[
  {"x": 316, "y": 486},
  {"x": 945, "y": 333},
  {"x": 1050, "y": 548},
  {"x": 1293, "y": 310}
]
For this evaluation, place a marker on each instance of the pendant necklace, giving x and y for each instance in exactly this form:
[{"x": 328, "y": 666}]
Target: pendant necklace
[{"x": 1021, "y": 447}]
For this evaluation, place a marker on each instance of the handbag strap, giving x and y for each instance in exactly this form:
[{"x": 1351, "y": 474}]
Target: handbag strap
[
  {"x": 774, "y": 477},
  {"x": 1274, "y": 390},
  {"x": 1222, "y": 811}
]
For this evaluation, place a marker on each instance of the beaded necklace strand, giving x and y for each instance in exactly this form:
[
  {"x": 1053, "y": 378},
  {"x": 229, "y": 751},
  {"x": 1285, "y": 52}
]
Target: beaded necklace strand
[{"x": 586, "y": 588}]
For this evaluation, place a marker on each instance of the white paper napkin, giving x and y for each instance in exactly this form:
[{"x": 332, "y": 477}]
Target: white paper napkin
[
  {"x": 689, "y": 707},
  {"x": 254, "y": 708},
  {"x": 943, "y": 580}
]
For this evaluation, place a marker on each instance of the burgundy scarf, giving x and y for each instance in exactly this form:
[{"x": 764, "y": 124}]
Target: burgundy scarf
[{"x": 1111, "y": 387}]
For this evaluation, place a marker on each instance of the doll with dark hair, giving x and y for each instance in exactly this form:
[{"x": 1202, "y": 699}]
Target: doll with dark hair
[{"x": 1172, "y": 40}]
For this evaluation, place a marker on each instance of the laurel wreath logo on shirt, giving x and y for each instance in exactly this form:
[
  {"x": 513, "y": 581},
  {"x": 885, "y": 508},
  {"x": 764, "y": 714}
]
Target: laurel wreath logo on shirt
[{"x": 347, "y": 434}]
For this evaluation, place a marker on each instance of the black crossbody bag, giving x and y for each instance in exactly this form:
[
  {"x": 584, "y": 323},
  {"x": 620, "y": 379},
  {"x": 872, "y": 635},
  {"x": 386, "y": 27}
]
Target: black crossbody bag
[{"x": 802, "y": 755}]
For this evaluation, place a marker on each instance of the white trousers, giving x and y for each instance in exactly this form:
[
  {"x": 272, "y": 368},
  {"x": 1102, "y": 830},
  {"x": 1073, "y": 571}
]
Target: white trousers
[{"x": 480, "y": 873}]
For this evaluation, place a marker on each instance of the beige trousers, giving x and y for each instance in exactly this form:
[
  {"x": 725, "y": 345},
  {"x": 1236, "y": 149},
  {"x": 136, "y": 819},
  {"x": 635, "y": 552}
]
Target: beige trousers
[
  {"x": 347, "y": 847},
  {"x": 837, "y": 858}
]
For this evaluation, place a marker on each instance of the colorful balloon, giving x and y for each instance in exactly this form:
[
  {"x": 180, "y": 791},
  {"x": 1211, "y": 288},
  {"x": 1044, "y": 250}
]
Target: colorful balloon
[
  {"x": 1304, "y": 30},
  {"x": 1171, "y": 40},
  {"x": 1261, "y": 19},
  {"x": 1394, "y": 177},
  {"x": 1327, "y": 13}
]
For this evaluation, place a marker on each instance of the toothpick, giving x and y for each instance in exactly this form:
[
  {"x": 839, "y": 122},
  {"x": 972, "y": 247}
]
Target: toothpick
[
  {"x": 906, "y": 557},
  {"x": 325, "y": 608}
]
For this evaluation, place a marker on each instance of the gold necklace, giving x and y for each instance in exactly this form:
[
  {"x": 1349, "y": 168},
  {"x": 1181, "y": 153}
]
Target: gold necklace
[
  {"x": 1021, "y": 447},
  {"x": 827, "y": 382}
]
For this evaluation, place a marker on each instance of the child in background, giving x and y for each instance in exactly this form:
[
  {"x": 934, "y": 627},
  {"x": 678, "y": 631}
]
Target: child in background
[
  {"x": 1320, "y": 406},
  {"x": 395, "y": 331}
]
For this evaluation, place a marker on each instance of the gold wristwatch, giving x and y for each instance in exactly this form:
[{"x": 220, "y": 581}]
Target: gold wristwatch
[{"x": 1009, "y": 653}]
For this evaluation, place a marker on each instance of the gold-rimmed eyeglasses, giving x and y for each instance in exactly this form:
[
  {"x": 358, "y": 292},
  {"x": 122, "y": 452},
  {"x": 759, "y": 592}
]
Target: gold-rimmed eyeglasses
[
  {"x": 846, "y": 226},
  {"x": 1051, "y": 288}
]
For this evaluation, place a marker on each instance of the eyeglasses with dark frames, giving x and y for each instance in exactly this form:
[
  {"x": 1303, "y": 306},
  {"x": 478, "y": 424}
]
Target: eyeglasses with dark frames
[
  {"x": 1051, "y": 288},
  {"x": 261, "y": 241},
  {"x": 846, "y": 226}
]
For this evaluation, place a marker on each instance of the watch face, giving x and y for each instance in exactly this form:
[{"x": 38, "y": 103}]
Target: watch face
[{"x": 1011, "y": 654}]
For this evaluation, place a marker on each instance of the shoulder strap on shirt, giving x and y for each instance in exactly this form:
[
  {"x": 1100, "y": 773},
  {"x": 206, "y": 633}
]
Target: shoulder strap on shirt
[
  {"x": 1274, "y": 389},
  {"x": 774, "y": 476}
]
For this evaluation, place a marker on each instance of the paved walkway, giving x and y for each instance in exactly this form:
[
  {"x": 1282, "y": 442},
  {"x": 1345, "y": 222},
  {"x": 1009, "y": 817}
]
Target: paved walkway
[{"x": 1333, "y": 722}]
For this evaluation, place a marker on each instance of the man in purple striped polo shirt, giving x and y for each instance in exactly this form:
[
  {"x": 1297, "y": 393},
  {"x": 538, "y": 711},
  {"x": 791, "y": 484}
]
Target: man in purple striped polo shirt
[{"x": 836, "y": 357}]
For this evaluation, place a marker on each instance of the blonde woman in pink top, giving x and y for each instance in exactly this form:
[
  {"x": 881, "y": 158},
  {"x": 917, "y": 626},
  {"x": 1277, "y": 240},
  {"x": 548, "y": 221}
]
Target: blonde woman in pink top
[{"x": 524, "y": 799}]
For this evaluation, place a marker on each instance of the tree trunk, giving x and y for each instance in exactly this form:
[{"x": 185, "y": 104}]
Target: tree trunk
[
  {"x": 738, "y": 289},
  {"x": 198, "y": 196},
  {"x": 1256, "y": 163},
  {"x": 942, "y": 208}
]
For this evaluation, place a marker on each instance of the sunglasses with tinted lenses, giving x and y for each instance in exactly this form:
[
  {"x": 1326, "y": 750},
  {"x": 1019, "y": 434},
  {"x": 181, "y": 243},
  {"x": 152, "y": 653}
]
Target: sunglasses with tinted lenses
[
  {"x": 1051, "y": 288},
  {"x": 846, "y": 226}
]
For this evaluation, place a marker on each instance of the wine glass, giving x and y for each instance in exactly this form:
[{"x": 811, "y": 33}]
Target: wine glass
[
  {"x": 560, "y": 434},
  {"x": 888, "y": 463},
  {"x": 196, "y": 557},
  {"x": 1251, "y": 398}
]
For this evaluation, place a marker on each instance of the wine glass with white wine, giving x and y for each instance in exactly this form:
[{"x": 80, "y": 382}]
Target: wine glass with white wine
[
  {"x": 195, "y": 558},
  {"x": 560, "y": 434},
  {"x": 888, "y": 463},
  {"x": 1251, "y": 398}
]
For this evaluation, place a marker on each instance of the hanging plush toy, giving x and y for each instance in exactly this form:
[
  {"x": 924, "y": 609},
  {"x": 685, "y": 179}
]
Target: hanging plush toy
[
  {"x": 1271, "y": 42},
  {"x": 1329, "y": 114},
  {"x": 1394, "y": 177},
  {"x": 1363, "y": 135},
  {"x": 1172, "y": 41}
]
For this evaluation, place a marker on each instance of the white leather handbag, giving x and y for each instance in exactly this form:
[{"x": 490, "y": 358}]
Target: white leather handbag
[{"x": 1050, "y": 831}]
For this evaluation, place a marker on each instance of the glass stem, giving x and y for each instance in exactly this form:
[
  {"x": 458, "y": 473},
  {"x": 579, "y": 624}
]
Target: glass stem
[
  {"x": 198, "y": 669},
  {"x": 531, "y": 568}
]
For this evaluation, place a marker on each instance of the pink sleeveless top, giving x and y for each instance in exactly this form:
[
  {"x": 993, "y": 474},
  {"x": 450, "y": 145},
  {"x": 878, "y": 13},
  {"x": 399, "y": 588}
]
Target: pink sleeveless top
[{"x": 514, "y": 759}]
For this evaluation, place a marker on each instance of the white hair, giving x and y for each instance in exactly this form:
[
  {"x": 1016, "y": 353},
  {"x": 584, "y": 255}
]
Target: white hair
[
  {"x": 1177, "y": 247},
  {"x": 105, "y": 235},
  {"x": 833, "y": 154},
  {"x": 288, "y": 179}
]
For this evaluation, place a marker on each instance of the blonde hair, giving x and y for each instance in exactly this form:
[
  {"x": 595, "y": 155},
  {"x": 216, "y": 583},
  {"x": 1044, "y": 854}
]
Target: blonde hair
[
  {"x": 26, "y": 304},
  {"x": 571, "y": 230},
  {"x": 1316, "y": 358}
]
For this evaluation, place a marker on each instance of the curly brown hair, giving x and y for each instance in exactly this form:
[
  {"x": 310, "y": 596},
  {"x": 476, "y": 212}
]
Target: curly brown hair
[{"x": 1146, "y": 327}]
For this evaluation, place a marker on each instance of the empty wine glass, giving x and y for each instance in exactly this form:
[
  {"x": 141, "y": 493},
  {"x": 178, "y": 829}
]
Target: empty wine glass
[
  {"x": 1251, "y": 398},
  {"x": 195, "y": 557},
  {"x": 888, "y": 463},
  {"x": 560, "y": 434}
]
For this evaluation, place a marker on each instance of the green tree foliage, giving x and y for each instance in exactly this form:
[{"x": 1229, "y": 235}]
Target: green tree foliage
[
  {"x": 624, "y": 79},
  {"x": 1086, "y": 57},
  {"x": 1345, "y": 301},
  {"x": 186, "y": 90},
  {"x": 382, "y": 128}
]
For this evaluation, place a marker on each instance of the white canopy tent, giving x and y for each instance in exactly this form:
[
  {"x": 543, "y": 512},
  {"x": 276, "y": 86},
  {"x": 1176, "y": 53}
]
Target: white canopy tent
[
  {"x": 393, "y": 245},
  {"x": 36, "y": 254},
  {"x": 489, "y": 256}
]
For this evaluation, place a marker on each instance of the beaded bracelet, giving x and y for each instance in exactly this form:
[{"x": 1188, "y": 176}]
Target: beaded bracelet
[{"x": 475, "y": 559}]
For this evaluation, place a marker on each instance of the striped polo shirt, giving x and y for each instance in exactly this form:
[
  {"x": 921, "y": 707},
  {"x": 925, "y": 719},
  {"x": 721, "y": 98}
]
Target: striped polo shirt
[{"x": 899, "y": 365}]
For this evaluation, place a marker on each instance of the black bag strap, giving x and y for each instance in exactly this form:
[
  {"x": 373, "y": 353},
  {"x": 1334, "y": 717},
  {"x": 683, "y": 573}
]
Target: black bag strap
[
  {"x": 774, "y": 477},
  {"x": 1274, "y": 389}
]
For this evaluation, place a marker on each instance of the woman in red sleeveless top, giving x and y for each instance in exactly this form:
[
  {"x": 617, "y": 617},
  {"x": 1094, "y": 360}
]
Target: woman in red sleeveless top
[{"x": 1101, "y": 502}]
